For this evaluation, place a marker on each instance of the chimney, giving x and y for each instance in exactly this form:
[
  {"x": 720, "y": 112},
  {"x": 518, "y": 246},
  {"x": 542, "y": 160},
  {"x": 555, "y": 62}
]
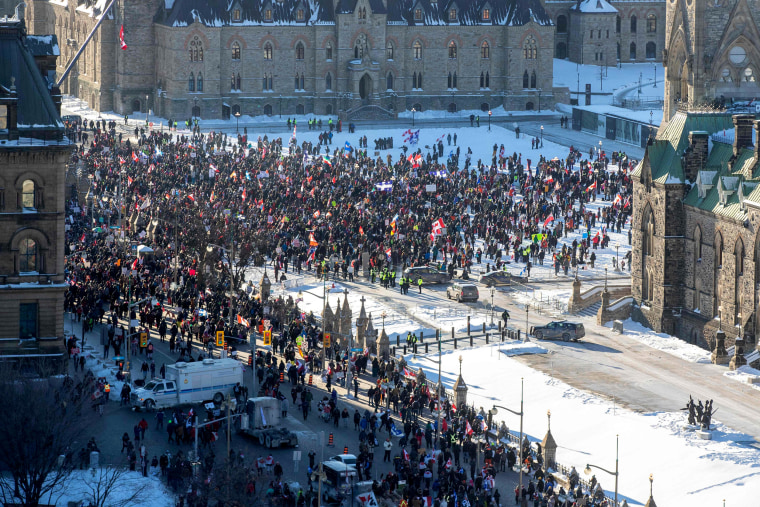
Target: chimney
[
  {"x": 696, "y": 154},
  {"x": 743, "y": 135}
]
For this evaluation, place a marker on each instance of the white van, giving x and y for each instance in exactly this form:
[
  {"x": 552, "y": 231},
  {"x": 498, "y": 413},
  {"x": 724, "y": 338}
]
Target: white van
[
  {"x": 339, "y": 481},
  {"x": 185, "y": 383}
]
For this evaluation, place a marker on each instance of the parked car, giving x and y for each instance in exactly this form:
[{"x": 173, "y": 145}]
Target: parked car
[
  {"x": 348, "y": 459},
  {"x": 500, "y": 278},
  {"x": 429, "y": 275},
  {"x": 563, "y": 330},
  {"x": 462, "y": 292}
]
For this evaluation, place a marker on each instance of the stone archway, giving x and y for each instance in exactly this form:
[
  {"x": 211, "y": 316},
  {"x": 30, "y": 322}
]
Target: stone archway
[{"x": 365, "y": 87}]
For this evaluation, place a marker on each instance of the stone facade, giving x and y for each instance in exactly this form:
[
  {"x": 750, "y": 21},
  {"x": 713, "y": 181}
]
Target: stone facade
[
  {"x": 696, "y": 261},
  {"x": 711, "y": 52},
  {"x": 33, "y": 157},
  {"x": 629, "y": 31},
  {"x": 321, "y": 57}
]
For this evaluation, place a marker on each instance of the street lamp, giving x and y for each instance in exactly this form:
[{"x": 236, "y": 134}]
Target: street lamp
[
  {"x": 654, "y": 66},
  {"x": 605, "y": 278},
  {"x": 147, "y": 110},
  {"x": 383, "y": 315},
  {"x": 600, "y": 150},
  {"x": 413, "y": 111},
  {"x": 489, "y": 120},
  {"x": 616, "y": 473},
  {"x": 280, "y": 106},
  {"x": 237, "y": 121},
  {"x": 617, "y": 259},
  {"x": 527, "y": 329},
  {"x": 494, "y": 411},
  {"x": 539, "y": 100},
  {"x": 542, "y": 136}
]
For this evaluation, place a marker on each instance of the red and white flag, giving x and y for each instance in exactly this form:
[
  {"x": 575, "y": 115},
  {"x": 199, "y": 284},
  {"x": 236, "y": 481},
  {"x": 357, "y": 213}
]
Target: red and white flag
[
  {"x": 468, "y": 429},
  {"x": 549, "y": 219},
  {"x": 135, "y": 157},
  {"x": 243, "y": 321},
  {"x": 244, "y": 195},
  {"x": 316, "y": 214},
  {"x": 191, "y": 197},
  {"x": 591, "y": 187},
  {"x": 121, "y": 38},
  {"x": 618, "y": 199},
  {"x": 404, "y": 454}
]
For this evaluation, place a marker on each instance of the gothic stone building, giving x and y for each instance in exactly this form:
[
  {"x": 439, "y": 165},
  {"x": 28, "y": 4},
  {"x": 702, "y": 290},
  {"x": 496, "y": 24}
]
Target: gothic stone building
[
  {"x": 606, "y": 32},
  {"x": 712, "y": 51},
  {"x": 33, "y": 157},
  {"x": 213, "y": 58},
  {"x": 696, "y": 228}
]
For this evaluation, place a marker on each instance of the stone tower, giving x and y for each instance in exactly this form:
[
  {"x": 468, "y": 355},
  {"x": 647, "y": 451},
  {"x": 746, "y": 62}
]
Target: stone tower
[
  {"x": 460, "y": 389},
  {"x": 370, "y": 336},
  {"x": 345, "y": 319},
  {"x": 384, "y": 345},
  {"x": 710, "y": 52},
  {"x": 327, "y": 319},
  {"x": 266, "y": 287},
  {"x": 361, "y": 325},
  {"x": 548, "y": 445}
]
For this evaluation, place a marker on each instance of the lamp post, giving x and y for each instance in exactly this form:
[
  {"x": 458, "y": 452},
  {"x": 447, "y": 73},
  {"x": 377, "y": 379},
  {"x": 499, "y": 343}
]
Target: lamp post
[
  {"x": 493, "y": 291},
  {"x": 280, "y": 106},
  {"x": 527, "y": 329},
  {"x": 617, "y": 259},
  {"x": 600, "y": 150},
  {"x": 489, "y": 120},
  {"x": 413, "y": 111},
  {"x": 383, "y": 315},
  {"x": 654, "y": 66},
  {"x": 539, "y": 100},
  {"x": 605, "y": 278},
  {"x": 494, "y": 411},
  {"x": 542, "y": 136},
  {"x": 237, "y": 121},
  {"x": 616, "y": 473},
  {"x": 147, "y": 110}
]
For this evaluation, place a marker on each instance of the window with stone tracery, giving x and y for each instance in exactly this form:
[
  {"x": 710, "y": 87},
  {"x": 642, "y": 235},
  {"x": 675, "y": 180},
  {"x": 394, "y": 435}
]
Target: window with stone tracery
[
  {"x": 196, "y": 50},
  {"x": 530, "y": 49}
]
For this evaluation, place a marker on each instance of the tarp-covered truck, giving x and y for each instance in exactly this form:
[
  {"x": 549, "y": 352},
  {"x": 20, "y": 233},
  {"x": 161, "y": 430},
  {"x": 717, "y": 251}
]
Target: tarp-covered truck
[
  {"x": 263, "y": 421},
  {"x": 186, "y": 383}
]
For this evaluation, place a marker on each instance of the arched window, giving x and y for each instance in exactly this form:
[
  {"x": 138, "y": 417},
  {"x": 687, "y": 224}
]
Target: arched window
[
  {"x": 738, "y": 282},
  {"x": 633, "y": 24},
  {"x": 199, "y": 81},
  {"x": 264, "y": 82},
  {"x": 414, "y": 81},
  {"x": 454, "y": 82},
  {"x": 725, "y": 76},
  {"x": 533, "y": 79},
  {"x": 561, "y": 51},
  {"x": 651, "y": 23},
  {"x": 618, "y": 51},
  {"x": 647, "y": 240},
  {"x": 237, "y": 87},
  {"x": 452, "y": 107},
  {"x": 268, "y": 51},
  {"x": 236, "y": 50},
  {"x": 651, "y": 50},
  {"x": 452, "y": 50},
  {"x": 196, "y": 50},
  {"x": 389, "y": 81},
  {"x": 300, "y": 109},
  {"x": 739, "y": 254},
  {"x": 299, "y": 51},
  {"x": 302, "y": 83},
  {"x": 328, "y": 109},
  {"x": 632, "y": 55},
  {"x": 529, "y": 106},
  {"x": 482, "y": 80},
  {"x": 270, "y": 86},
  {"x": 232, "y": 82},
  {"x": 328, "y": 82},
  {"x": 389, "y": 51},
  {"x": 561, "y": 24},
  {"x": 28, "y": 200},
  {"x": 417, "y": 49},
  {"x": 448, "y": 85},
  {"x": 358, "y": 51},
  {"x": 297, "y": 82},
  {"x": 236, "y": 109},
  {"x": 191, "y": 83},
  {"x": 617, "y": 24},
  {"x": 485, "y": 50},
  {"x": 419, "y": 82},
  {"x": 488, "y": 79},
  {"x": 526, "y": 79},
  {"x": 27, "y": 255},
  {"x": 268, "y": 109},
  {"x": 328, "y": 51},
  {"x": 530, "y": 49}
]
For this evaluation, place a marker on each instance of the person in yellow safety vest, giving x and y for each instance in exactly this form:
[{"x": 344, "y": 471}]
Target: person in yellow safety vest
[
  {"x": 419, "y": 284},
  {"x": 107, "y": 390},
  {"x": 403, "y": 503}
]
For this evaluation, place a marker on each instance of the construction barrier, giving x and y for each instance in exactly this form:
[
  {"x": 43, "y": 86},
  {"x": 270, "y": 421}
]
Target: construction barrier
[
  {"x": 330, "y": 442},
  {"x": 282, "y": 376},
  {"x": 311, "y": 378},
  {"x": 345, "y": 450}
]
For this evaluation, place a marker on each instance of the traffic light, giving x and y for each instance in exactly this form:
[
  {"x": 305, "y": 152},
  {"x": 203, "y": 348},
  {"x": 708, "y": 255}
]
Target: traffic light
[
  {"x": 267, "y": 336},
  {"x": 143, "y": 339},
  {"x": 326, "y": 342},
  {"x": 220, "y": 338}
]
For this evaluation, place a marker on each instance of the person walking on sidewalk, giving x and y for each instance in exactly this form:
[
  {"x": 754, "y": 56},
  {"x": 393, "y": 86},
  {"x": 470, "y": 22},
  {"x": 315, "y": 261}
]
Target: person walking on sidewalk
[{"x": 387, "y": 445}]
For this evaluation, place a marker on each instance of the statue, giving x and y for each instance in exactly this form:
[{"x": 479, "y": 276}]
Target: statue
[
  {"x": 700, "y": 414},
  {"x": 690, "y": 407}
]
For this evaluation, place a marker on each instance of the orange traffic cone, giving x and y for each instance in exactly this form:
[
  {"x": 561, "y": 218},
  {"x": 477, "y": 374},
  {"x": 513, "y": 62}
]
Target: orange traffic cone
[
  {"x": 311, "y": 378},
  {"x": 282, "y": 376},
  {"x": 330, "y": 442},
  {"x": 345, "y": 450}
]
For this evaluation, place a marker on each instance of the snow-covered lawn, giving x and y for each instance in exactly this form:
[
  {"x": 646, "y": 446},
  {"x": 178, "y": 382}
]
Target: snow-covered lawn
[
  {"x": 687, "y": 470},
  {"x": 567, "y": 73},
  {"x": 665, "y": 342}
]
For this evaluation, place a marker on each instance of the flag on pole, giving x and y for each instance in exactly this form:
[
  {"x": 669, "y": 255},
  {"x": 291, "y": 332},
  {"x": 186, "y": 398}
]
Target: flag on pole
[
  {"x": 618, "y": 199},
  {"x": 404, "y": 454},
  {"x": 591, "y": 187},
  {"x": 121, "y": 38},
  {"x": 312, "y": 241},
  {"x": 134, "y": 157},
  {"x": 388, "y": 254},
  {"x": 550, "y": 218},
  {"x": 468, "y": 429}
]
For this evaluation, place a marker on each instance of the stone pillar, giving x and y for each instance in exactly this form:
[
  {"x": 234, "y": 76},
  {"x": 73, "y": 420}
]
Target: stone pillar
[
  {"x": 384, "y": 345},
  {"x": 719, "y": 355},
  {"x": 738, "y": 359},
  {"x": 549, "y": 446},
  {"x": 265, "y": 285},
  {"x": 575, "y": 299},
  {"x": 601, "y": 315},
  {"x": 345, "y": 319},
  {"x": 460, "y": 389},
  {"x": 370, "y": 336}
]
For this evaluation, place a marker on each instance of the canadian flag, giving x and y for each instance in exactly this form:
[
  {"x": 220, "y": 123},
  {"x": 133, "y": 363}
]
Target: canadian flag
[
  {"x": 121, "y": 160},
  {"x": 591, "y": 187},
  {"x": 130, "y": 180},
  {"x": 191, "y": 197},
  {"x": 134, "y": 157},
  {"x": 121, "y": 38},
  {"x": 448, "y": 464},
  {"x": 243, "y": 321},
  {"x": 244, "y": 195},
  {"x": 617, "y": 200},
  {"x": 316, "y": 214},
  {"x": 361, "y": 230},
  {"x": 404, "y": 454},
  {"x": 549, "y": 180},
  {"x": 468, "y": 429},
  {"x": 312, "y": 241}
]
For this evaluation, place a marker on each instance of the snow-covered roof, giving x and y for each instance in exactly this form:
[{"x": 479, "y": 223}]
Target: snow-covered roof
[{"x": 594, "y": 6}]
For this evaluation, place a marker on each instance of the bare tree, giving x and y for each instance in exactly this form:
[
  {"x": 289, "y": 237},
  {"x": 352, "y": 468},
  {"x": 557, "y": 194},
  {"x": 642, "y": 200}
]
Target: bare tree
[
  {"x": 114, "y": 486},
  {"x": 43, "y": 419}
]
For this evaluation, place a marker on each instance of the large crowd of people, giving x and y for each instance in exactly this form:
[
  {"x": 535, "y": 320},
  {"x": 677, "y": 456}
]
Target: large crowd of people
[{"x": 208, "y": 206}]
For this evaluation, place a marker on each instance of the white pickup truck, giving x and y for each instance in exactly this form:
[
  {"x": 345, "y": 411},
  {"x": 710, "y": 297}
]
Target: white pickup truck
[{"x": 186, "y": 383}]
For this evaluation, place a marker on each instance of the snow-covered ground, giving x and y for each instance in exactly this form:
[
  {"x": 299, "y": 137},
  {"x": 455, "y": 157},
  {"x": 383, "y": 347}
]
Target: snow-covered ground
[
  {"x": 687, "y": 470},
  {"x": 665, "y": 342},
  {"x": 125, "y": 489},
  {"x": 613, "y": 79}
]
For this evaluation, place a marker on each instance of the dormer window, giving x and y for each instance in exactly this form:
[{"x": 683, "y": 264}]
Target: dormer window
[
  {"x": 486, "y": 15},
  {"x": 268, "y": 15},
  {"x": 418, "y": 14},
  {"x": 328, "y": 52},
  {"x": 299, "y": 15},
  {"x": 452, "y": 14},
  {"x": 236, "y": 15}
]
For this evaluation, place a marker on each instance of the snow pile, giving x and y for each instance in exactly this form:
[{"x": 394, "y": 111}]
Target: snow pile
[
  {"x": 688, "y": 470},
  {"x": 519, "y": 348},
  {"x": 665, "y": 342},
  {"x": 126, "y": 489},
  {"x": 746, "y": 375}
]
